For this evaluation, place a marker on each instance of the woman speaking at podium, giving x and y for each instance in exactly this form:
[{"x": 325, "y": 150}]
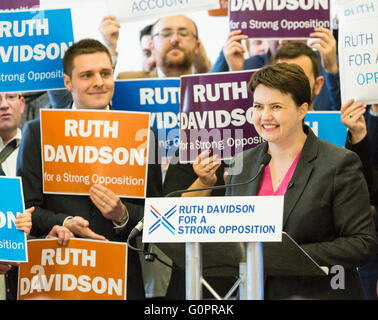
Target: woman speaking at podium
[{"x": 326, "y": 200}]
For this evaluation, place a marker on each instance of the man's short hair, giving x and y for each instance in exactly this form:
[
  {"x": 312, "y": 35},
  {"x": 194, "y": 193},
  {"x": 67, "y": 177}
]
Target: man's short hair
[
  {"x": 84, "y": 46},
  {"x": 285, "y": 77},
  {"x": 146, "y": 31},
  {"x": 293, "y": 50}
]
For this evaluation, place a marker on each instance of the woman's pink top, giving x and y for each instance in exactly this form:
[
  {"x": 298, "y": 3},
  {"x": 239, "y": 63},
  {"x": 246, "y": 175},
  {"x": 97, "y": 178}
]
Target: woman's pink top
[{"x": 266, "y": 186}]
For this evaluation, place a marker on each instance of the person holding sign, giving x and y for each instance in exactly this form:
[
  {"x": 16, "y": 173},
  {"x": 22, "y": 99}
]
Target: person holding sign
[
  {"x": 109, "y": 29},
  {"x": 7, "y": 286},
  {"x": 12, "y": 106},
  {"x": 326, "y": 204},
  {"x": 9, "y": 270},
  {"x": 232, "y": 58},
  {"x": 362, "y": 122},
  {"x": 301, "y": 54},
  {"x": 88, "y": 75},
  {"x": 148, "y": 59},
  {"x": 257, "y": 47},
  {"x": 175, "y": 54}
]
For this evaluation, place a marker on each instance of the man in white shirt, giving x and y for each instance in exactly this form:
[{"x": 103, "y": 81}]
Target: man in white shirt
[{"x": 12, "y": 107}]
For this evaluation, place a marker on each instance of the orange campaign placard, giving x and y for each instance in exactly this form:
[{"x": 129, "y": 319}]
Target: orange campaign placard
[
  {"x": 81, "y": 148},
  {"x": 222, "y": 11},
  {"x": 82, "y": 270}
]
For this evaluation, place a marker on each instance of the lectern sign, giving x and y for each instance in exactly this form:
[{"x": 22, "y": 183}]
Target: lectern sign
[{"x": 213, "y": 219}]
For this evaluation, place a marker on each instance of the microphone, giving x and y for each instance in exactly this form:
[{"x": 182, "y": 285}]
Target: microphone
[
  {"x": 136, "y": 230},
  {"x": 264, "y": 162}
]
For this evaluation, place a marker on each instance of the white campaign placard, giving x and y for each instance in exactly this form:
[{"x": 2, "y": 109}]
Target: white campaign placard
[
  {"x": 134, "y": 10},
  {"x": 213, "y": 219},
  {"x": 357, "y": 8},
  {"x": 358, "y": 58}
]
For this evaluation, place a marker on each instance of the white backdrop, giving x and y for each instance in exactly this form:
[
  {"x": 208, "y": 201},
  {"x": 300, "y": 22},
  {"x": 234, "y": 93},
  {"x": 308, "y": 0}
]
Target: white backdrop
[{"x": 87, "y": 15}]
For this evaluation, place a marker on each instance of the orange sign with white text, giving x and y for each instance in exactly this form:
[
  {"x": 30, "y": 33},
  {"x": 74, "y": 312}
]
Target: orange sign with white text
[
  {"x": 82, "y": 270},
  {"x": 222, "y": 11},
  {"x": 81, "y": 148}
]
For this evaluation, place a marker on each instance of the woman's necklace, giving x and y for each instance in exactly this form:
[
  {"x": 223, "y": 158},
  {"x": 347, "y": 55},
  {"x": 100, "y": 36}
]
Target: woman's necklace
[{"x": 278, "y": 182}]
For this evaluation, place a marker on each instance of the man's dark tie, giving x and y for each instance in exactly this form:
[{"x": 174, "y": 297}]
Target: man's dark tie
[{"x": 5, "y": 153}]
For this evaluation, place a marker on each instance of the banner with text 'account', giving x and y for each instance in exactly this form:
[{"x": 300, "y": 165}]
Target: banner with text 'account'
[{"x": 133, "y": 10}]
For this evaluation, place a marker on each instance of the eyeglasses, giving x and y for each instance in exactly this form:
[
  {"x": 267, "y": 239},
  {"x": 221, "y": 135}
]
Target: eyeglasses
[
  {"x": 168, "y": 33},
  {"x": 12, "y": 97}
]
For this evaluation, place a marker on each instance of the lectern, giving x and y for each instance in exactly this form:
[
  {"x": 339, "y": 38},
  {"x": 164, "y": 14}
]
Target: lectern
[
  {"x": 253, "y": 260},
  {"x": 242, "y": 232}
]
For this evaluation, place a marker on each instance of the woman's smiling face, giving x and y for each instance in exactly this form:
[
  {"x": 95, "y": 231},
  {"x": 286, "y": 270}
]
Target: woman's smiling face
[{"x": 275, "y": 114}]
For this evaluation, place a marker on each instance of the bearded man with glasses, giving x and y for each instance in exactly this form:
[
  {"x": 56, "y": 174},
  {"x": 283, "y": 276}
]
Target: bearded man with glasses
[{"x": 174, "y": 43}]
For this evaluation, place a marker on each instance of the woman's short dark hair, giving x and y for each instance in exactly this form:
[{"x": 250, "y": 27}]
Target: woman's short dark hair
[
  {"x": 146, "y": 31},
  {"x": 84, "y": 46},
  {"x": 287, "y": 78}
]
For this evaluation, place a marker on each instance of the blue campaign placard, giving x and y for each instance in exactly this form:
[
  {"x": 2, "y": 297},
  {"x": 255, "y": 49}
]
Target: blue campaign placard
[
  {"x": 32, "y": 46},
  {"x": 327, "y": 126},
  {"x": 160, "y": 97},
  {"x": 12, "y": 241}
]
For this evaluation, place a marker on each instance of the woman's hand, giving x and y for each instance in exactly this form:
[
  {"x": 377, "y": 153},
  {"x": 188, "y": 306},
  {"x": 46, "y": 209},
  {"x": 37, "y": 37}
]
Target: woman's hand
[{"x": 205, "y": 168}]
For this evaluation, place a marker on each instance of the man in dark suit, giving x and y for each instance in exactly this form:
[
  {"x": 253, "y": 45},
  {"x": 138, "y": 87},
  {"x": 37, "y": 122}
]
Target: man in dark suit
[
  {"x": 362, "y": 122},
  {"x": 231, "y": 58},
  {"x": 88, "y": 75},
  {"x": 12, "y": 106}
]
